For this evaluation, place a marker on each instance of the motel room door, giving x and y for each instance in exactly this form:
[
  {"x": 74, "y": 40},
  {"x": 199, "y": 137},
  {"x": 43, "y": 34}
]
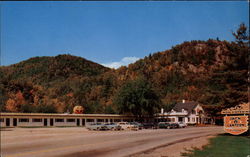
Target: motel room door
[
  {"x": 78, "y": 122},
  {"x": 45, "y": 122},
  {"x": 51, "y": 122},
  {"x": 7, "y": 122},
  {"x": 14, "y": 121},
  {"x": 83, "y": 122}
]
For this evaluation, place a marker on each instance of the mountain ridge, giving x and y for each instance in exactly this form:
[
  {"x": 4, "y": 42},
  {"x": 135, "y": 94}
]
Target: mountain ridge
[{"x": 194, "y": 70}]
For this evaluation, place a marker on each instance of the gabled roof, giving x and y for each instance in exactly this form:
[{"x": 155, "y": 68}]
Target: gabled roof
[{"x": 189, "y": 106}]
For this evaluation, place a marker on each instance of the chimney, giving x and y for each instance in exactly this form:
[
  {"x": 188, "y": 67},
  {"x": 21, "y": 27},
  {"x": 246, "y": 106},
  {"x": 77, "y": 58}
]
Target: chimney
[{"x": 183, "y": 101}]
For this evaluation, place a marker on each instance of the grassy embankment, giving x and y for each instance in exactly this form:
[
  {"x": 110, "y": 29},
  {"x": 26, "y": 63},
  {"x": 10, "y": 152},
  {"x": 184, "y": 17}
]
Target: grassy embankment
[{"x": 223, "y": 146}]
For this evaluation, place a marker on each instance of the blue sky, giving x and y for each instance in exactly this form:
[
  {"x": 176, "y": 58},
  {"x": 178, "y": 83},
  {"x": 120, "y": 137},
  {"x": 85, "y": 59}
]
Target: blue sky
[{"x": 111, "y": 33}]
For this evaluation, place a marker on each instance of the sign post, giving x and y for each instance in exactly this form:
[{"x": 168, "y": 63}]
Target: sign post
[{"x": 236, "y": 119}]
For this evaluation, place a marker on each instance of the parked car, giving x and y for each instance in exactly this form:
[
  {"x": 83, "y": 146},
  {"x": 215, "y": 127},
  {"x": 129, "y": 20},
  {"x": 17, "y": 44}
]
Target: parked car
[
  {"x": 140, "y": 126},
  {"x": 164, "y": 125},
  {"x": 126, "y": 126},
  {"x": 96, "y": 126},
  {"x": 182, "y": 124},
  {"x": 150, "y": 125},
  {"x": 113, "y": 126},
  {"x": 174, "y": 125}
]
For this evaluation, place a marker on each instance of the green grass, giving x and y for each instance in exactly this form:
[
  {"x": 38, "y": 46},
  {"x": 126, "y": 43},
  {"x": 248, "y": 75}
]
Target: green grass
[{"x": 223, "y": 146}]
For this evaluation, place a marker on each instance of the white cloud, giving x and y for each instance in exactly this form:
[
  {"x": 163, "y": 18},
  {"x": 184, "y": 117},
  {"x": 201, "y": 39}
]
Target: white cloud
[{"x": 124, "y": 62}]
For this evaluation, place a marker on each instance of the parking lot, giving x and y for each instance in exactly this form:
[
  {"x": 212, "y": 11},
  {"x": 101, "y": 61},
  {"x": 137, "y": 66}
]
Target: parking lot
[{"x": 80, "y": 142}]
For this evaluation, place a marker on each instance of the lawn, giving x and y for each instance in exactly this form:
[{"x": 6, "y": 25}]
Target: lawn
[{"x": 223, "y": 146}]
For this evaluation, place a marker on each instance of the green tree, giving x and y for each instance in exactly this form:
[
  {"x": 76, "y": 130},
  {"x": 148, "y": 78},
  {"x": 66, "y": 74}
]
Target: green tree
[
  {"x": 26, "y": 108},
  {"x": 241, "y": 35},
  {"x": 137, "y": 97},
  {"x": 45, "y": 109}
]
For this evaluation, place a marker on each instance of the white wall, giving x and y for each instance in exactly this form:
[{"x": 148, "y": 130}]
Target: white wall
[{"x": 64, "y": 123}]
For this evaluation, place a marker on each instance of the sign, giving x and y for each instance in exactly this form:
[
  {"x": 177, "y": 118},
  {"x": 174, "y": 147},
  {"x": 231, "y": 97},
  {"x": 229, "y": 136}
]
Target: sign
[
  {"x": 235, "y": 124},
  {"x": 239, "y": 109},
  {"x": 78, "y": 110}
]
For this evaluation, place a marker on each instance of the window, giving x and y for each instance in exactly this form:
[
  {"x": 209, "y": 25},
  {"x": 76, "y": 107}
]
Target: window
[
  {"x": 117, "y": 120},
  {"x": 37, "y": 120},
  {"x": 100, "y": 120},
  {"x": 1, "y": 119},
  {"x": 193, "y": 119},
  {"x": 168, "y": 119},
  {"x": 59, "y": 120},
  {"x": 24, "y": 120},
  {"x": 71, "y": 120},
  {"x": 90, "y": 120},
  {"x": 180, "y": 119},
  {"x": 188, "y": 119}
]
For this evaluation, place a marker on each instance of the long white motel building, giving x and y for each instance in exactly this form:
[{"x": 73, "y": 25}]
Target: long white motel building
[
  {"x": 188, "y": 112},
  {"x": 44, "y": 119}
]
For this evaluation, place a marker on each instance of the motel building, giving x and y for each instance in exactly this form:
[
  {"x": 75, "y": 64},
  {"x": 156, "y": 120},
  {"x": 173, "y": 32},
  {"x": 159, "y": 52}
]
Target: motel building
[
  {"x": 46, "y": 119},
  {"x": 188, "y": 112}
]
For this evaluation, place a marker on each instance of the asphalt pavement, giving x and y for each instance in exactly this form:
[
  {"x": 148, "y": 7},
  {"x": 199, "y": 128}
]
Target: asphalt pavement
[{"x": 79, "y": 142}]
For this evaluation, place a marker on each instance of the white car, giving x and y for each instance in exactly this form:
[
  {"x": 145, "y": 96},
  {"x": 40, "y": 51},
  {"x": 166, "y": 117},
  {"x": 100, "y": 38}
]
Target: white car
[
  {"x": 182, "y": 124},
  {"x": 127, "y": 126}
]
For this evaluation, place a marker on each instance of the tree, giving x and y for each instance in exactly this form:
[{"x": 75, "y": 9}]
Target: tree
[
  {"x": 241, "y": 35},
  {"x": 137, "y": 97},
  {"x": 45, "y": 109},
  {"x": 11, "y": 105}
]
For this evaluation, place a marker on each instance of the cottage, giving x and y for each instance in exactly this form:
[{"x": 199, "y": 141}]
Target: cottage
[{"x": 189, "y": 112}]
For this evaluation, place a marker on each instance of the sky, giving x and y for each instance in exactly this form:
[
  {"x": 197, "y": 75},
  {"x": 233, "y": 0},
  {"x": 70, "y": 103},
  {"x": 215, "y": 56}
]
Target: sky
[{"x": 112, "y": 33}]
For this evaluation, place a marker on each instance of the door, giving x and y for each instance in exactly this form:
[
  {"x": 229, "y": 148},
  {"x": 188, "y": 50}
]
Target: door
[
  {"x": 7, "y": 122},
  {"x": 51, "y": 122},
  {"x": 45, "y": 123},
  {"x": 78, "y": 122},
  {"x": 83, "y": 122},
  {"x": 14, "y": 121}
]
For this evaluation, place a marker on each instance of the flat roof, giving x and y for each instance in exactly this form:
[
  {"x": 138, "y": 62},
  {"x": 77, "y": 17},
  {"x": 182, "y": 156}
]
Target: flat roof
[{"x": 63, "y": 115}]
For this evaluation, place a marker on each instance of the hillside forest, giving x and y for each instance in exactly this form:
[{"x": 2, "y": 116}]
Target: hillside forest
[{"x": 213, "y": 72}]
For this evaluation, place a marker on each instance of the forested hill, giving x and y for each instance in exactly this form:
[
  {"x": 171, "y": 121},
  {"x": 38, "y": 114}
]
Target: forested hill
[
  {"x": 43, "y": 70},
  {"x": 47, "y": 84},
  {"x": 212, "y": 72}
]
